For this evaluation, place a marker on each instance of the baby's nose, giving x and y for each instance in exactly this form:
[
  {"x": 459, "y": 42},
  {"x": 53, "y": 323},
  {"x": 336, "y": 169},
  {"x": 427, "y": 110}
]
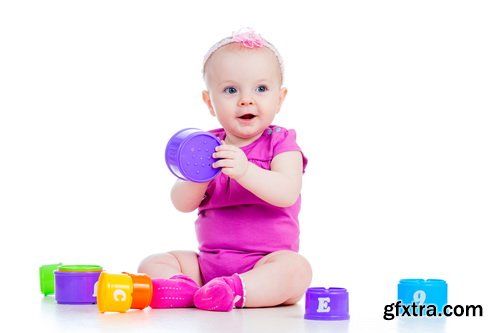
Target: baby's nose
[{"x": 245, "y": 102}]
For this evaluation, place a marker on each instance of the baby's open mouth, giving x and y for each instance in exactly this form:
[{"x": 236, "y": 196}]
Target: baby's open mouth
[{"x": 247, "y": 116}]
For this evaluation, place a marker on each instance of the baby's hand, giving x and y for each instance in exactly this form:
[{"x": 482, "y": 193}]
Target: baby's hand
[{"x": 233, "y": 161}]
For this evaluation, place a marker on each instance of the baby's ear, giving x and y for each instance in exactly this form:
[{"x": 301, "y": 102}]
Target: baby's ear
[
  {"x": 283, "y": 93},
  {"x": 206, "y": 98}
]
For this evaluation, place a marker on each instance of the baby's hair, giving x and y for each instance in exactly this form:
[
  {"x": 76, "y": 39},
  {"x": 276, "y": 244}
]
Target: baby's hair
[{"x": 248, "y": 38}]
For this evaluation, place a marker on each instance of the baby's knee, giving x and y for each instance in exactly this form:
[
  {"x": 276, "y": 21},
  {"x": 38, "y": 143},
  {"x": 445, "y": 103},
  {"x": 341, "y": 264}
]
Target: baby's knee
[
  {"x": 297, "y": 263},
  {"x": 302, "y": 269},
  {"x": 153, "y": 260},
  {"x": 300, "y": 277},
  {"x": 297, "y": 267}
]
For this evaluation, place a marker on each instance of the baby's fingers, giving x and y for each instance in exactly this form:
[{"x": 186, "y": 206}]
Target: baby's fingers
[
  {"x": 224, "y": 154},
  {"x": 224, "y": 163},
  {"x": 226, "y": 147}
]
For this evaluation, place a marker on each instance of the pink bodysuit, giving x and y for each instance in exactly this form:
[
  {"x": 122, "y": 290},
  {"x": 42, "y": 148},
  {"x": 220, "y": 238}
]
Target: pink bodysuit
[{"x": 235, "y": 229}]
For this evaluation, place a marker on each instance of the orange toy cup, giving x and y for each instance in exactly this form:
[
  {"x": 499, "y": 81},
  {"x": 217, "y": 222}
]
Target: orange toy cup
[
  {"x": 142, "y": 290},
  {"x": 114, "y": 292}
]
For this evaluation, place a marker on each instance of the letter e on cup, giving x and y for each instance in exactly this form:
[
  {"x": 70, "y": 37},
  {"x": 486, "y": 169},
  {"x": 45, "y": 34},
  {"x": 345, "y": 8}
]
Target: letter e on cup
[{"x": 323, "y": 304}]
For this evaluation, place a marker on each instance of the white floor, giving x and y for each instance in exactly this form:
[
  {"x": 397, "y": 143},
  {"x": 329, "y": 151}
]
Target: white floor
[{"x": 47, "y": 316}]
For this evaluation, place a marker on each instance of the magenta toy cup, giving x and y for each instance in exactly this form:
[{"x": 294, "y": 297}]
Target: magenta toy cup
[
  {"x": 189, "y": 155},
  {"x": 327, "y": 304},
  {"x": 76, "y": 287}
]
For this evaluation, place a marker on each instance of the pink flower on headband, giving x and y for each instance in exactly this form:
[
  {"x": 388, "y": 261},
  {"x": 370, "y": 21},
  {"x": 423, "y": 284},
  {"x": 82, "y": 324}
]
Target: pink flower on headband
[{"x": 248, "y": 38}]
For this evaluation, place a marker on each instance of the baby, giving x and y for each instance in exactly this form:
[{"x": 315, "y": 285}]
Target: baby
[{"x": 247, "y": 226}]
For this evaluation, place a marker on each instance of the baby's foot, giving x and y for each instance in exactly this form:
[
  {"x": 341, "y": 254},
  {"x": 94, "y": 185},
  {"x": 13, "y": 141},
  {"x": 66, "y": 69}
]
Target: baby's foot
[
  {"x": 221, "y": 294},
  {"x": 176, "y": 292}
]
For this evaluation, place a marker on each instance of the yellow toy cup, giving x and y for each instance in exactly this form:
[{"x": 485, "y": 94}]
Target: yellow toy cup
[{"x": 114, "y": 292}]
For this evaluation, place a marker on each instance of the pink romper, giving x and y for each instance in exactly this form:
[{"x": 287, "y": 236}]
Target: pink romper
[{"x": 235, "y": 229}]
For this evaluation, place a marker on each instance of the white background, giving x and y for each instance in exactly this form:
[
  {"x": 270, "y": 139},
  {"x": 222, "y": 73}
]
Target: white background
[{"x": 396, "y": 105}]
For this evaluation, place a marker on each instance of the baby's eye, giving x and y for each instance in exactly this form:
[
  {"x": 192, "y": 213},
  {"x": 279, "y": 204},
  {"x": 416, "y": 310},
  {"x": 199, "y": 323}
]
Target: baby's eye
[
  {"x": 261, "y": 89},
  {"x": 231, "y": 90}
]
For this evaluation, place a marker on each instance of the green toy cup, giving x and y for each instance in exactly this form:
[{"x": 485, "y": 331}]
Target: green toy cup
[
  {"x": 47, "y": 278},
  {"x": 80, "y": 268}
]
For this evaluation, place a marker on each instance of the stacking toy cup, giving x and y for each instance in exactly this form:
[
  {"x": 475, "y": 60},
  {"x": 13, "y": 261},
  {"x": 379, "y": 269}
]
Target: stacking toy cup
[
  {"x": 47, "y": 278},
  {"x": 74, "y": 284},
  {"x": 189, "y": 155},
  {"x": 423, "y": 292},
  {"x": 142, "y": 291},
  {"x": 80, "y": 268},
  {"x": 327, "y": 304},
  {"x": 114, "y": 292}
]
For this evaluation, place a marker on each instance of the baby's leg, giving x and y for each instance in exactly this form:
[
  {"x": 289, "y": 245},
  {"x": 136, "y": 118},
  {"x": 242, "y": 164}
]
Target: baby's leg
[
  {"x": 279, "y": 278},
  {"x": 166, "y": 265},
  {"x": 175, "y": 277}
]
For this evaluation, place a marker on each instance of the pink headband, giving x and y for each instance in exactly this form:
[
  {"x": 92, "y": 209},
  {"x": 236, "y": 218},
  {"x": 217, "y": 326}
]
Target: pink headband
[{"x": 247, "y": 37}]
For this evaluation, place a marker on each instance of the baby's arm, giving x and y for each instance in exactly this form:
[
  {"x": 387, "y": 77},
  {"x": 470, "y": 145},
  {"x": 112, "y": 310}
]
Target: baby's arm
[
  {"x": 279, "y": 186},
  {"x": 187, "y": 196}
]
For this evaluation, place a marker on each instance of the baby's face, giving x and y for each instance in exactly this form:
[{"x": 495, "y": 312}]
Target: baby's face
[{"x": 244, "y": 91}]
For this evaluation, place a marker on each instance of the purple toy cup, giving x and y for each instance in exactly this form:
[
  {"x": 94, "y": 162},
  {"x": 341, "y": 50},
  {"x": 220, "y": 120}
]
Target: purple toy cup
[
  {"x": 327, "y": 304},
  {"x": 75, "y": 287},
  {"x": 189, "y": 155}
]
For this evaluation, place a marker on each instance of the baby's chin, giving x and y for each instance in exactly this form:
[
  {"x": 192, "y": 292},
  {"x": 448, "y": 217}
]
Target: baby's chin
[
  {"x": 246, "y": 136},
  {"x": 249, "y": 132}
]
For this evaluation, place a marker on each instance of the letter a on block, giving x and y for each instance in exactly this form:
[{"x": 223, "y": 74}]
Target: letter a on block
[{"x": 323, "y": 304}]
